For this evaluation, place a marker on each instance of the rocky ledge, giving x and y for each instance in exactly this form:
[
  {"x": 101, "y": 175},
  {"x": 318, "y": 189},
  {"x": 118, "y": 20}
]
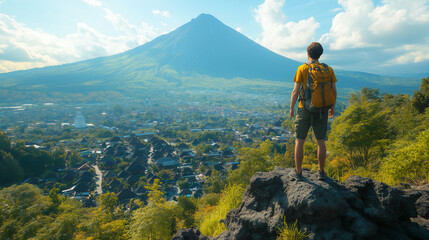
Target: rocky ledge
[{"x": 360, "y": 208}]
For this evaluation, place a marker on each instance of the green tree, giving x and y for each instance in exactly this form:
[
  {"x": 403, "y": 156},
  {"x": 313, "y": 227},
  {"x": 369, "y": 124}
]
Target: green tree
[
  {"x": 4, "y": 142},
  {"x": 10, "y": 170},
  {"x": 231, "y": 198},
  {"x": 108, "y": 201},
  {"x": 420, "y": 100},
  {"x": 260, "y": 159},
  {"x": 157, "y": 220},
  {"x": 187, "y": 208},
  {"x": 55, "y": 198},
  {"x": 360, "y": 133},
  {"x": 408, "y": 161}
]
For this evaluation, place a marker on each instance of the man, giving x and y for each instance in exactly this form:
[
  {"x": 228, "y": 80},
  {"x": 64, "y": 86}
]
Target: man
[{"x": 305, "y": 118}]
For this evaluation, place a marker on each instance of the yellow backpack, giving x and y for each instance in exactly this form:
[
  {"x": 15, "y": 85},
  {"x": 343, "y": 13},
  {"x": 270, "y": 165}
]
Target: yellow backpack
[{"x": 318, "y": 95}]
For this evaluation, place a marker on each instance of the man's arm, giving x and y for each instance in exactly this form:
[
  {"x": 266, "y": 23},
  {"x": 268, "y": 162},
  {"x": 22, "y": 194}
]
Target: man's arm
[
  {"x": 332, "y": 110},
  {"x": 294, "y": 98}
]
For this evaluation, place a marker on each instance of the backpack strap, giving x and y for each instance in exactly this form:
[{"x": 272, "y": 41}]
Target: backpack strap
[{"x": 301, "y": 92}]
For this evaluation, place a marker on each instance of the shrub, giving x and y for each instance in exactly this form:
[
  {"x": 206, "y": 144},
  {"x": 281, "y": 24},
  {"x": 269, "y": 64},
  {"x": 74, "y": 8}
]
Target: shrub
[
  {"x": 231, "y": 198},
  {"x": 290, "y": 231},
  {"x": 408, "y": 162}
]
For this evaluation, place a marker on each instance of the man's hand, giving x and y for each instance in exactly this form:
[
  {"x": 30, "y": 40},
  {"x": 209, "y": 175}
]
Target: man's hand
[
  {"x": 331, "y": 112},
  {"x": 292, "y": 113}
]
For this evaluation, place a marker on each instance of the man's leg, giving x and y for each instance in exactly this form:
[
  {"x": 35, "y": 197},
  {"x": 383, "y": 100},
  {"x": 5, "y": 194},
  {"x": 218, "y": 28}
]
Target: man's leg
[
  {"x": 321, "y": 154},
  {"x": 299, "y": 154}
]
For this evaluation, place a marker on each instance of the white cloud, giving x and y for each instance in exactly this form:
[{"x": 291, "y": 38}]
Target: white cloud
[
  {"x": 134, "y": 33},
  {"x": 396, "y": 29},
  {"x": 161, "y": 13},
  {"x": 95, "y": 3},
  {"x": 23, "y": 47},
  {"x": 238, "y": 29},
  {"x": 282, "y": 36}
]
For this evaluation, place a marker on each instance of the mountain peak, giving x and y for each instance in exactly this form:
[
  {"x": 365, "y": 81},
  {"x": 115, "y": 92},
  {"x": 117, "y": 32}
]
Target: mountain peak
[
  {"x": 205, "y": 20},
  {"x": 205, "y": 17}
]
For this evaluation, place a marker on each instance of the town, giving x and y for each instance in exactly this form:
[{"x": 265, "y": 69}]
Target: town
[{"x": 125, "y": 148}]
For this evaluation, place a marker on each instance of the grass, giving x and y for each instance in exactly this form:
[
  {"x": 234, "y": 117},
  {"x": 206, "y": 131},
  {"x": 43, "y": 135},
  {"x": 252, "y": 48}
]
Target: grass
[{"x": 291, "y": 231}]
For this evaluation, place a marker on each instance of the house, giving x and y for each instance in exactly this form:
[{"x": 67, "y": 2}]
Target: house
[
  {"x": 124, "y": 174},
  {"x": 140, "y": 191},
  {"x": 195, "y": 142},
  {"x": 109, "y": 175},
  {"x": 69, "y": 176},
  {"x": 78, "y": 191},
  {"x": 110, "y": 150},
  {"x": 212, "y": 154},
  {"x": 87, "y": 179},
  {"x": 156, "y": 155},
  {"x": 125, "y": 195},
  {"x": 84, "y": 141},
  {"x": 186, "y": 171},
  {"x": 106, "y": 158},
  {"x": 167, "y": 162},
  {"x": 140, "y": 155},
  {"x": 165, "y": 176},
  {"x": 114, "y": 185},
  {"x": 227, "y": 153},
  {"x": 185, "y": 192},
  {"x": 152, "y": 179},
  {"x": 135, "y": 168},
  {"x": 115, "y": 140},
  {"x": 232, "y": 165},
  {"x": 120, "y": 151},
  {"x": 218, "y": 167},
  {"x": 183, "y": 146},
  {"x": 85, "y": 167},
  {"x": 132, "y": 180}
]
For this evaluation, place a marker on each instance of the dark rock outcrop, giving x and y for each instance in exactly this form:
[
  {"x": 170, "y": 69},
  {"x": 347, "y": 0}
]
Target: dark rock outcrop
[
  {"x": 190, "y": 234},
  {"x": 360, "y": 208}
]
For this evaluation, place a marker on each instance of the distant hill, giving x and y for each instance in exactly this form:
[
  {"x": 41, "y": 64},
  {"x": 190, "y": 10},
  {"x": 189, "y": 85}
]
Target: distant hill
[{"x": 204, "y": 53}]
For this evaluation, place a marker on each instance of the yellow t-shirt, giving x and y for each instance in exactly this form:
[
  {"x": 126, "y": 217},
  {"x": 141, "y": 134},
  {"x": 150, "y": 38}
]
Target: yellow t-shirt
[{"x": 301, "y": 77}]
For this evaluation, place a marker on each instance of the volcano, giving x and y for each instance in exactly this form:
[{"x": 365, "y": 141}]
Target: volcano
[{"x": 203, "y": 53}]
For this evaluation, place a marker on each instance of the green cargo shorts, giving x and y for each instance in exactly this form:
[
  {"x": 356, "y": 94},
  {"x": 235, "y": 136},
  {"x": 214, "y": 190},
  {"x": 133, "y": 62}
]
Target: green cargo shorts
[{"x": 305, "y": 119}]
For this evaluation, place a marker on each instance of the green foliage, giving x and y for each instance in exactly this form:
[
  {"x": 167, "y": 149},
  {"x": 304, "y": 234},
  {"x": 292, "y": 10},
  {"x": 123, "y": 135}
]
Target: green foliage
[
  {"x": 186, "y": 208},
  {"x": 231, "y": 198},
  {"x": 380, "y": 137},
  {"x": 4, "y": 142},
  {"x": 253, "y": 160},
  {"x": 361, "y": 131},
  {"x": 22, "y": 211},
  {"x": 108, "y": 201},
  {"x": 291, "y": 231},
  {"x": 55, "y": 198},
  {"x": 10, "y": 170},
  {"x": 63, "y": 227},
  {"x": 157, "y": 220},
  {"x": 22, "y": 162},
  {"x": 407, "y": 162},
  {"x": 420, "y": 100}
]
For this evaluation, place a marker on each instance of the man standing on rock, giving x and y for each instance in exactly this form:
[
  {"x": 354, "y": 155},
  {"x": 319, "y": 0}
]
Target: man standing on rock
[{"x": 315, "y": 87}]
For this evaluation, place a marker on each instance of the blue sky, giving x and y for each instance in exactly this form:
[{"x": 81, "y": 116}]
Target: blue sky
[{"x": 383, "y": 37}]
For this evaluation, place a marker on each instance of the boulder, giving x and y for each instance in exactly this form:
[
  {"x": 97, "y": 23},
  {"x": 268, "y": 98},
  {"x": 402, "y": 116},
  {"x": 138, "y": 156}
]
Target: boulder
[
  {"x": 360, "y": 208},
  {"x": 189, "y": 234}
]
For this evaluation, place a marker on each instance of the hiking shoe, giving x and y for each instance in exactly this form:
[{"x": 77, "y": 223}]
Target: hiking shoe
[
  {"x": 322, "y": 175},
  {"x": 295, "y": 175}
]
